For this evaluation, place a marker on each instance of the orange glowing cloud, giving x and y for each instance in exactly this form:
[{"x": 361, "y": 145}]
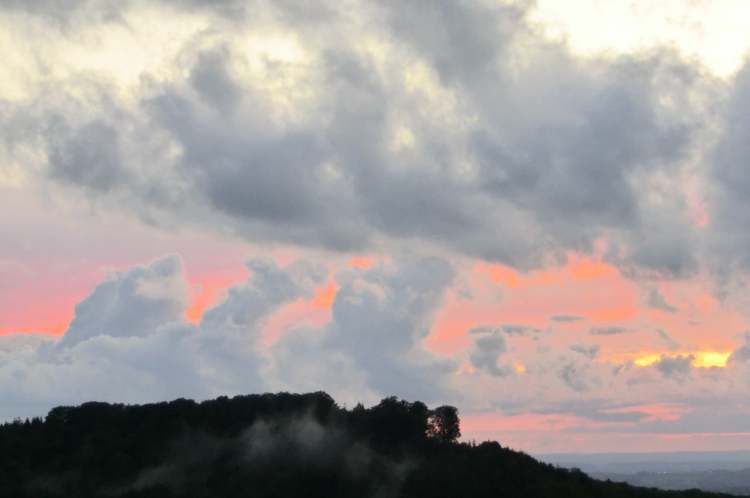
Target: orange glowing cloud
[
  {"x": 700, "y": 359},
  {"x": 325, "y": 296},
  {"x": 202, "y": 299},
  {"x": 314, "y": 312},
  {"x": 362, "y": 262},
  {"x": 208, "y": 288},
  {"x": 584, "y": 287}
]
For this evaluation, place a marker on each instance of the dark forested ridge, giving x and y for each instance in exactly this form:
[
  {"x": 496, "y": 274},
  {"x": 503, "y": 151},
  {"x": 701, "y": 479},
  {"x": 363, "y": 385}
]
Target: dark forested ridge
[{"x": 273, "y": 445}]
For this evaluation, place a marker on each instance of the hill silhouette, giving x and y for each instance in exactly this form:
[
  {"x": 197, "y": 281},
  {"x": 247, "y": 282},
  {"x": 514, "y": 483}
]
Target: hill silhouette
[{"x": 274, "y": 445}]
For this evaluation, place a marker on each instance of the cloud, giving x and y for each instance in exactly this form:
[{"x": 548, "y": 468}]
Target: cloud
[
  {"x": 675, "y": 367},
  {"x": 88, "y": 157},
  {"x": 453, "y": 129},
  {"x": 729, "y": 188},
  {"x": 574, "y": 376},
  {"x": 590, "y": 351},
  {"x": 509, "y": 329},
  {"x": 742, "y": 353},
  {"x": 131, "y": 304},
  {"x": 668, "y": 339},
  {"x": 566, "y": 318},
  {"x": 323, "y": 142},
  {"x": 488, "y": 346},
  {"x": 657, "y": 301},
  {"x": 130, "y": 342},
  {"x": 379, "y": 319},
  {"x": 607, "y": 330}
]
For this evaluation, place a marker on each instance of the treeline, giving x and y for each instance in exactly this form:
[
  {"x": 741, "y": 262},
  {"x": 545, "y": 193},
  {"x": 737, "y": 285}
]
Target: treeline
[{"x": 273, "y": 445}]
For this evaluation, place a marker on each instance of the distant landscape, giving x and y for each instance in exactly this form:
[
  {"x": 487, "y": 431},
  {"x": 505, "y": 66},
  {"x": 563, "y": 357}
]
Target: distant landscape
[{"x": 725, "y": 472}]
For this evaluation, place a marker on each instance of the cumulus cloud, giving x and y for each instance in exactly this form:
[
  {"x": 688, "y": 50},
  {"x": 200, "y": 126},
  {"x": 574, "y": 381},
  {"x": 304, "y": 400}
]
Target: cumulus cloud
[
  {"x": 730, "y": 187},
  {"x": 129, "y": 340},
  {"x": 131, "y": 304},
  {"x": 379, "y": 319},
  {"x": 409, "y": 138}
]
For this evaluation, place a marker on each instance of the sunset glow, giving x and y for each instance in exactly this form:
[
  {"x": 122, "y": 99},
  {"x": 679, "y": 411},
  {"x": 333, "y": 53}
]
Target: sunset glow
[
  {"x": 502, "y": 206},
  {"x": 698, "y": 359}
]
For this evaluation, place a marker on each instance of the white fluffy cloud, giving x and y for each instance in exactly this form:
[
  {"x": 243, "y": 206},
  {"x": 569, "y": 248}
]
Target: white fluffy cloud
[{"x": 129, "y": 340}]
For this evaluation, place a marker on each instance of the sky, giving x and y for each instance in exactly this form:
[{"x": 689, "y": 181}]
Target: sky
[{"x": 538, "y": 212}]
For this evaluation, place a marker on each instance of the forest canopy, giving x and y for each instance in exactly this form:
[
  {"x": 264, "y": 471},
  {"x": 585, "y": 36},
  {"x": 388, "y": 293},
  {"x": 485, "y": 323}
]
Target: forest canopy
[{"x": 273, "y": 445}]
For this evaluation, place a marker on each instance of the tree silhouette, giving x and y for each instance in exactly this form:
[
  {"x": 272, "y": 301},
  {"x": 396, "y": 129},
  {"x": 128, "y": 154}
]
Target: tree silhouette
[
  {"x": 443, "y": 424},
  {"x": 275, "y": 446}
]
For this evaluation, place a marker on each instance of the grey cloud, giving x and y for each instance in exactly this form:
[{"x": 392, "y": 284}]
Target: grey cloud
[
  {"x": 729, "y": 197},
  {"x": 677, "y": 367},
  {"x": 590, "y": 351},
  {"x": 607, "y": 330},
  {"x": 488, "y": 347},
  {"x": 572, "y": 165},
  {"x": 212, "y": 81},
  {"x": 88, "y": 156},
  {"x": 668, "y": 339},
  {"x": 520, "y": 330},
  {"x": 131, "y": 304},
  {"x": 484, "y": 329},
  {"x": 657, "y": 301},
  {"x": 379, "y": 320},
  {"x": 742, "y": 353},
  {"x": 566, "y": 318},
  {"x": 574, "y": 377},
  {"x": 509, "y": 329}
]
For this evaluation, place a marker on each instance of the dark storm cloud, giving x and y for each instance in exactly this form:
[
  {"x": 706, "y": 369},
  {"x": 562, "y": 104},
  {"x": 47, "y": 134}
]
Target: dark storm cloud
[{"x": 527, "y": 159}]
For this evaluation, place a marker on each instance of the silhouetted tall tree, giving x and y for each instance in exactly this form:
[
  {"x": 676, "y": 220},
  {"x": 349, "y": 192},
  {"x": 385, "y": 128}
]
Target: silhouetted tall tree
[{"x": 443, "y": 424}]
